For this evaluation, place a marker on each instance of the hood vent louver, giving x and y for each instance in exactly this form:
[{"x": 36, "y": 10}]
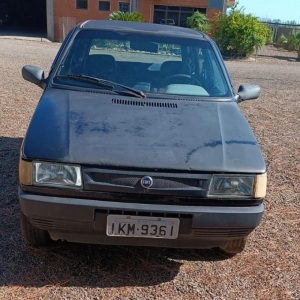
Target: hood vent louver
[{"x": 144, "y": 103}]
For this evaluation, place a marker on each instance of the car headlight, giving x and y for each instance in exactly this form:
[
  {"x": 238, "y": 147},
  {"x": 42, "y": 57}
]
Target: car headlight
[
  {"x": 236, "y": 186},
  {"x": 56, "y": 175}
]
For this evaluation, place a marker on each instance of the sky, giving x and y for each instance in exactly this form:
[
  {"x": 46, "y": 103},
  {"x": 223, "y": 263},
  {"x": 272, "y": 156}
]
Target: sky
[{"x": 285, "y": 10}]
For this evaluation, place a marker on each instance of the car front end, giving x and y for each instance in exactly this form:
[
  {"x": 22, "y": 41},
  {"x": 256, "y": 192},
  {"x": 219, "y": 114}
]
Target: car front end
[
  {"x": 140, "y": 143},
  {"x": 116, "y": 207}
]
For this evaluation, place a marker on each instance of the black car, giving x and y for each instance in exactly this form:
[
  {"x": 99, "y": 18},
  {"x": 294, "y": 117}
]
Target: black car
[{"x": 133, "y": 143}]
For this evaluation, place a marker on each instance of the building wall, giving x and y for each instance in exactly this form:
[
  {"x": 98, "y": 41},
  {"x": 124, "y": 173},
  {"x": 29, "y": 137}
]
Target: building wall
[
  {"x": 145, "y": 7},
  {"x": 67, "y": 16},
  {"x": 211, "y": 12}
]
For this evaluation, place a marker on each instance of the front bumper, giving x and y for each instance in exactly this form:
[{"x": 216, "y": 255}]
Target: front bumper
[{"x": 84, "y": 221}]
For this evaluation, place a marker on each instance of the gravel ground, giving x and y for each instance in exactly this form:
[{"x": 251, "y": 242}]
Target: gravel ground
[{"x": 267, "y": 269}]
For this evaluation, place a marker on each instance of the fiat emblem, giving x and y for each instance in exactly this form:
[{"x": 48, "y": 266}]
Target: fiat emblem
[{"x": 146, "y": 182}]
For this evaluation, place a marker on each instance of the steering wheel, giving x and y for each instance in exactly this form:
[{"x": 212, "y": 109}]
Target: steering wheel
[{"x": 181, "y": 79}]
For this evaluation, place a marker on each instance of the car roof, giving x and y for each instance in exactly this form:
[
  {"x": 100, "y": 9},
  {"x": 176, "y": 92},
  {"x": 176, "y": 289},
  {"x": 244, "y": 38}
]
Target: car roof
[{"x": 142, "y": 27}]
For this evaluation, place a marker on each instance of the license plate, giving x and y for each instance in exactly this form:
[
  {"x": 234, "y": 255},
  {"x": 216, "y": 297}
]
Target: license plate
[{"x": 147, "y": 227}]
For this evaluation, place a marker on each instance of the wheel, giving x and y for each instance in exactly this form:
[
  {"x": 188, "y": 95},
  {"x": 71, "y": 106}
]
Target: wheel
[
  {"x": 235, "y": 246},
  {"x": 34, "y": 236},
  {"x": 181, "y": 79}
]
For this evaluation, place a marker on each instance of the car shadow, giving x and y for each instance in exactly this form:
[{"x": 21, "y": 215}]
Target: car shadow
[{"x": 70, "y": 264}]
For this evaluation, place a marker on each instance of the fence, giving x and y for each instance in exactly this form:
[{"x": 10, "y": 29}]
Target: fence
[
  {"x": 280, "y": 29},
  {"x": 65, "y": 25}
]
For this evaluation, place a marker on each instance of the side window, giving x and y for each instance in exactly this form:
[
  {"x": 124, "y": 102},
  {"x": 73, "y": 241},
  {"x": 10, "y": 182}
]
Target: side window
[
  {"x": 74, "y": 60},
  {"x": 211, "y": 73},
  {"x": 62, "y": 48}
]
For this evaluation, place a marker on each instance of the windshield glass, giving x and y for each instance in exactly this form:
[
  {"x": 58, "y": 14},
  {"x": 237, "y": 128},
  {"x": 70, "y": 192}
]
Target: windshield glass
[{"x": 150, "y": 63}]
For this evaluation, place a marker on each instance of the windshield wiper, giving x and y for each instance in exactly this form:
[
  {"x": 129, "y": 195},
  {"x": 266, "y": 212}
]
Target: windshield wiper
[
  {"x": 89, "y": 79},
  {"x": 129, "y": 89},
  {"x": 104, "y": 83}
]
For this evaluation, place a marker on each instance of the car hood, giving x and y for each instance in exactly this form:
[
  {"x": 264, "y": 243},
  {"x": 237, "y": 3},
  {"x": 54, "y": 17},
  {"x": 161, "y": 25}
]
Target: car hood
[{"x": 124, "y": 132}]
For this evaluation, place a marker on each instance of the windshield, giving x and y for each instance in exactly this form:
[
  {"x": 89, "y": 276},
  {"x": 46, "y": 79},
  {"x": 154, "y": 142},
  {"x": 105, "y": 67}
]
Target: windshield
[{"x": 153, "y": 64}]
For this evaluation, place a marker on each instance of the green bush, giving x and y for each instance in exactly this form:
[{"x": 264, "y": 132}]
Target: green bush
[
  {"x": 238, "y": 34},
  {"x": 126, "y": 16},
  {"x": 292, "y": 42},
  {"x": 198, "y": 22}
]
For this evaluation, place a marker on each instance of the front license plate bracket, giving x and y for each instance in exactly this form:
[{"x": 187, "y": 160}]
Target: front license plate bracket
[{"x": 139, "y": 226}]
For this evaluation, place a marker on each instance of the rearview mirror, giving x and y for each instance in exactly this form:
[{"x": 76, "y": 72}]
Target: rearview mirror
[
  {"x": 144, "y": 46},
  {"x": 247, "y": 92},
  {"x": 34, "y": 75}
]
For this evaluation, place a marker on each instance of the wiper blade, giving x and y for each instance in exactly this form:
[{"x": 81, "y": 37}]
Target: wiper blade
[
  {"x": 104, "y": 83},
  {"x": 88, "y": 79},
  {"x": 125, "y": 87}
]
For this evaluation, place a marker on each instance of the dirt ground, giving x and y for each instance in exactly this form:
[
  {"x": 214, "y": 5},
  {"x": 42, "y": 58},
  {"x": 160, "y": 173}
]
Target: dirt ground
[{"x": 269, "y": 267}]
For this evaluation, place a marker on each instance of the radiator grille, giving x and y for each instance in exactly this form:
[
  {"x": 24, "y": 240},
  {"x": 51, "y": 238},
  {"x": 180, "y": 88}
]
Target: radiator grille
[
  {"x": 143, "y": 213},
  {"x": 61, "y": 225},
  {"x": 158, "y": 182},
  {"x": 221, "y": 232}
]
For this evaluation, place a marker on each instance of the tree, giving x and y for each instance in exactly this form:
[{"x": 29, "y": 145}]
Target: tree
[
  {"x": 198, "y": 22},
  {"x": 238, "y": 34},
  {"x": 126, "y": 16}
]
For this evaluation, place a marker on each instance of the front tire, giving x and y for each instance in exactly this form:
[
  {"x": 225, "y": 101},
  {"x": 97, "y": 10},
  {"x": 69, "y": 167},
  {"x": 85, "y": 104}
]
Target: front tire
[
  {"x": 34, "y": 236},
  {"x": 235, "y": 246}
]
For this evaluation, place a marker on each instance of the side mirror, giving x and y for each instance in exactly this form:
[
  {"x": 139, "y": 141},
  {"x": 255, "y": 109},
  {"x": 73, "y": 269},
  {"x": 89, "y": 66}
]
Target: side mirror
[
  {"x": 247, "y": 92},
  {"x": 34, "y": 75}
]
